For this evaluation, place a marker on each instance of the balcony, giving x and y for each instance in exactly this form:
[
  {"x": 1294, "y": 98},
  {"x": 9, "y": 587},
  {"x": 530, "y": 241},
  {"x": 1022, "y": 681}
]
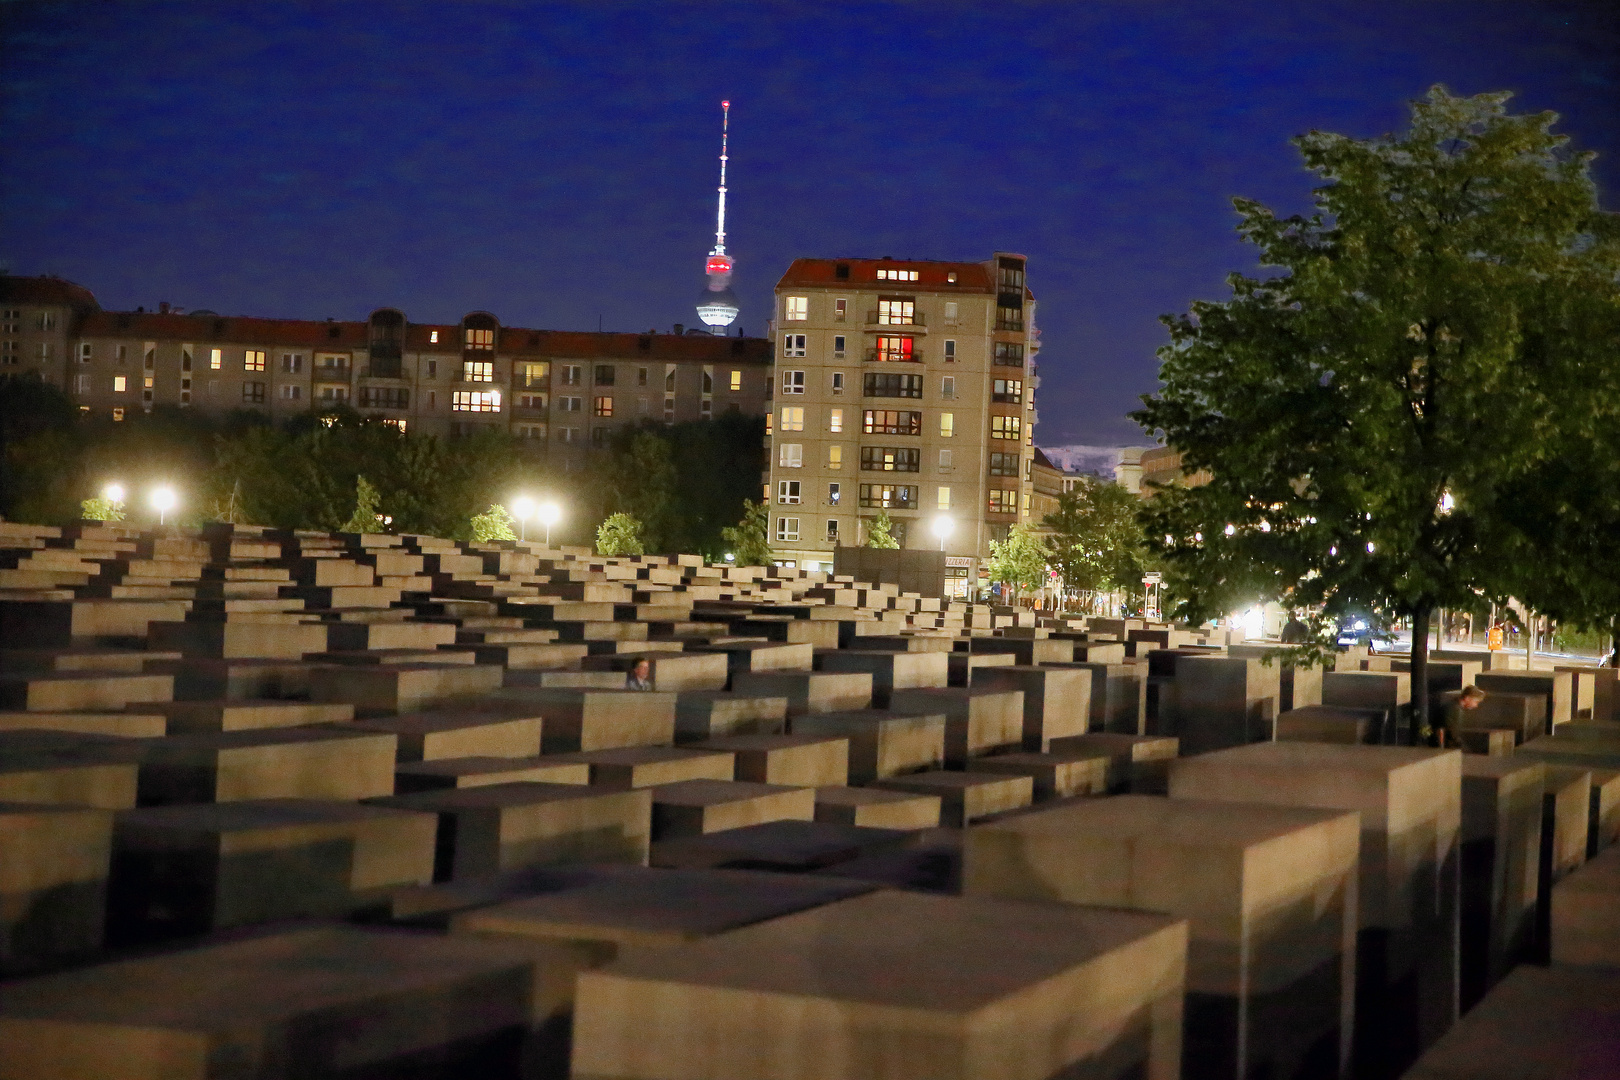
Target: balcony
[
  {"x": 1015, "y": 326},
  {"x": 528, "y": 382},
  {"x": 383, "y": 369},
  {"x": 877, "y": 320},
  {"x": 893, "y": 356}
]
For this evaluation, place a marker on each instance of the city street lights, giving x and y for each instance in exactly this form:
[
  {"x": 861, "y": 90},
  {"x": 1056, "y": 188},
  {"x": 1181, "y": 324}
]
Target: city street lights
[
  {"x": 113, "y": 493},
  {"x": 942, "y": 528},
  {"x": 163, "y": 500},
  {"x": 523, "y": 510},
  {"x": 550, "y": 512}
]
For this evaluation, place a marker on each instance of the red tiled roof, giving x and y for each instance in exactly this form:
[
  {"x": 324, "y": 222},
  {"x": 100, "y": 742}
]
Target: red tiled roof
[
  {"x": 970, "y": 276},
  {"x": 45, "y": 290},
  {"x": 200, "y": 328}
]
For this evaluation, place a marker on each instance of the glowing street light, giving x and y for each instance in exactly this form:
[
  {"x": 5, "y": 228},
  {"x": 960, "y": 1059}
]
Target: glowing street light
[
  {"x": 163, "y": 500},
  {"x": 942, "y": 527},
  {"x": 113, "y": 493},
  {"x": 550, "y": 514},
  {"x": 523, "y": 510}
]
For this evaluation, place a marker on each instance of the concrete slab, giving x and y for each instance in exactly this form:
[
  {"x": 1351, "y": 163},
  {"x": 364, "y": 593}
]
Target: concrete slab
[
  {"x": 649, "y": 766},
  {"x": 877, "y": 808},
  {"x": 53, "y": 884},
  {"x": 1501, "y": 854},
  {"x": 270, "y": 763},
  {"x": 1057, "y": 700},
  {"x": 881, "y": 744},
  {"x": 465, "y": 772},
  {"x": 810, "y": 691},
  {"x": 979, "y": 720},
  {"x": 788, "y": 845},
  {"x": 967, "y": 796},
  {"x": 695, "y": 807},
  {"x": 387, "y": 689},
  {"x": 455, "y": 733},
  {"x": 1056, "y": 776},
  {"x": 793, "y": 760},
  {"x": 890, "y": 671},
  {"x": 1136, "y": 763}
]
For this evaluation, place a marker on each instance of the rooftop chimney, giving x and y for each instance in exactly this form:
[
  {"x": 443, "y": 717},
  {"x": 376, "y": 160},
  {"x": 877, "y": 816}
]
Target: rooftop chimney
[
  {"x": 163, "y": 307},
  {"x": 679, "y": 329}
]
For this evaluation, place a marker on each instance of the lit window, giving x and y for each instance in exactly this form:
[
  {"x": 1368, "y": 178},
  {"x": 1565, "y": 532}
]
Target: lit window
[
  {"x": 787, "y": 491},
  {"x": 536, "y": 374},
  {"x": 253, "y": 360},
  {"x": 950, "y": 351},
  {"x": 1003, "y": 502},
  {"x": 834, "y": 492},
  {"x": 1006, "y": 427},
  {"x": 897, "y": 275},
  {"x": 947, "y": 425},
  {"x": 475, "y": 401},
  {"x": 793, "y": 418},
  {"x": 736, "y": 381},
  {"x": 792, "y": 382},
  {"x": 897, "y": 312},
  {"x": 791, "y": 456},
  {"x": 433, "y": 337},
  {"x": 889, "y": 496},
  {"x": 769, "y": 417},
  {"x": 120, "y": 384},
  {"x": 147, "y": 382},
  {"x": 604, "y": 406},
  {"x": 891, "y": 422},
  {"x": 835, "y": 457},
  {"x": 1007, "y": 391},
  {"x": 840, "y": 308},
  {"x": 397, "y": 425},
  {"x": 793, "y": 344},
  {"x": 787, "y": 528},
  {"x": 895, "y": 350},
  {"x": 477, "y": 371},
  {"x": 118, "y": 414},
  {"x": 944, "y": 498},
  {"x": 216, "y": 359},
  {"x": 795, "y": 308},
  {"x": 835, "y": 420},
  {"x": 480, "y": 339}
]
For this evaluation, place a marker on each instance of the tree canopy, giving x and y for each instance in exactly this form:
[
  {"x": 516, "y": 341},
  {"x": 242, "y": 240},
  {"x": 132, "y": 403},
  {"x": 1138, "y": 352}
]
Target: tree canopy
[
  {"x": 1095, "y": 543},
  {"x": 1018, "y": 561},
  {"x": 1434, "y": 329}
]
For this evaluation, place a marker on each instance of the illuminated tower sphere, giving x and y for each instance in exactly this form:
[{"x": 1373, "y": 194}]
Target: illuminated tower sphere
[{"x": 717, "y": 304}]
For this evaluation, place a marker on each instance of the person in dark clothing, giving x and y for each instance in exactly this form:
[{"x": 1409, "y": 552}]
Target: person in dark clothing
[
  {"x": 639, "y": 677},
  {"x": 1450, "y": 733},
  {"x": 1295, "y": 632}
]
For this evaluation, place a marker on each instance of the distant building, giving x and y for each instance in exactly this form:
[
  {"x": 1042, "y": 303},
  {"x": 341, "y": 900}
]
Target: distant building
[
  {"x": 906, "y": 387},
  {"x": 1140, "y": 469},
  {"x": 1047, "y": 483},
  {"x": 565, "y": 391}
]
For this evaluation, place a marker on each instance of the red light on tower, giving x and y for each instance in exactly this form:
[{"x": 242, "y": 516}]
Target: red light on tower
[{"x": 718, "y": 264}]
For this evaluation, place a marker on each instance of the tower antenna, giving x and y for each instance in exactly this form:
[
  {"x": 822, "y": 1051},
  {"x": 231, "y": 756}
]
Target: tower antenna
[
  {"x": 717, "y": 304},
  {"x": 720, "y": 220}
]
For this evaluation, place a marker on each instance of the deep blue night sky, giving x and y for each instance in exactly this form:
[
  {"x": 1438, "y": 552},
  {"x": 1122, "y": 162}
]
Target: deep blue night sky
[{"x": 555, "y": 164}]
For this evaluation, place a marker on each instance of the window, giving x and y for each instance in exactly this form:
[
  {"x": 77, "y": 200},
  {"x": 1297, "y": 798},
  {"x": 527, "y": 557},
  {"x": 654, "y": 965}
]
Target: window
[
  {"x": 384, "y": 397},
  {"x": 792, "y": 382},
  {"x": 1006, "y": 427},
  {"x": 334, "y": 394},
  {"x": 669, "y": 377},
  {"x": 568, "y": 434},
  {"x": 889, "y": 496},
  {"x": 530, "y": 431},
  {"x": 897, "y": 275},
  {"x": 950, "y": 307},
  {"x": 604, "y": 406},
  {"x": 793, "y": 345},
  {"x": 432, "y": 369},
  {"x": 81, "y": 384},
  {"x": 599, "y": 435},
  {"x": 890, "y": 459},
  {"x": 891, "y": 422},
  {"x": 838, "y": 346},
  {"x": 793, "y": 418},
  {"x": 433, "y": 337},
  {"x": 795, "y": 308},
  {"x": 477, "y": 371},
  {"x": 1010, "y": 275},
  {"x": 835, "y": 457},
  {"x": 834, "y": 493},
  {"x": 832, "y": 530},
  {"x": 532, "y": 401},
  {"x": 291, "y": 393},
  {"x": 944, "y": 498},
  {"x": 736, "y": 381},
  {"x": 604, "y": 374},
  {"x": 8, "y": 352},
  {"x": 1003, "y": 502},
  {"x": 838, "y": 382},
  {"x": 13, "y": 320},
  {"x": 1003, "y": 464},
  {"x": 835, "y": 420},
  {"x": 480, "y": 339},
  {"x": 84, "y": 352},
  {"x": 895, "y": 350},
  {"x": 568, "y": 404},
  {"x": 641, "y": 405},
  {"x": 1009, "y": 354},
  {"x": 708, "y": 380},
  {"x": 787, "y": 491},
  {"x": 944, "y": 461},
  {"x": 791, "y": 456},
  {"x": 885, "y": 384},
  {"x": 216, "y": 359},
  {"x": 840, "y": 309},
  {"x": 45, "y": 320},
  {"x": 1007, "y": 391},
  {"x": 120, "y": 384},
  {"x": 947, "y": 387},
  {"x": 950, "y": 351},
  {"x": 787, "y": 528},
  {"x": 253, "y": 393},
  {"x": 1009, "y": 318},
  {"x": 118, "y": 413},
  {"x": 45, "y": 350},
  {"x": 947, "y": 425},
  {"x": 433, "y": 399},
  {"x": 896, "y": 312},
  {"x": 147, "y": 383},
  {"x": 253, "y": 360},
  {"x": 123, "y": 353},
  {"x": 292, "y": 363},
  {"x": 475, "y": 401},
  {"x": 571, "y": 374}
]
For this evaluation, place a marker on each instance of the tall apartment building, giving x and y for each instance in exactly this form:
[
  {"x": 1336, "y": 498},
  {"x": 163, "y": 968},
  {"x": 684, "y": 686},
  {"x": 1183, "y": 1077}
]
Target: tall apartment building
[
  {"x": 565, "y": 391},
  {"x": 906, "y": 387}
]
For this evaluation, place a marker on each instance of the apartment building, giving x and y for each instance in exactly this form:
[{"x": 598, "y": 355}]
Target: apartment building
[
  {"x": 564, "y": 391},
  {"x": 906, "y": 387}
]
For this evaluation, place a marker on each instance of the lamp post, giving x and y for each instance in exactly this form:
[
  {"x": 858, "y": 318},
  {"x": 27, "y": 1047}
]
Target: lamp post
[
  {"x": 942, "y": 528},
  {"x": 523, "y": 508},
  {"x": 163, "y": 500},
  {"x": 113, "y": 493},
  {"x": 550, "y": 512}
]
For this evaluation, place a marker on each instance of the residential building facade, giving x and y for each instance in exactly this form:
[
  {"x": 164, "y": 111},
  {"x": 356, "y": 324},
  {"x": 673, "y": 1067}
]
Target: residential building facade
[
  {"x": 905, "y": 387},
  {"x": 562, "y": 390}
]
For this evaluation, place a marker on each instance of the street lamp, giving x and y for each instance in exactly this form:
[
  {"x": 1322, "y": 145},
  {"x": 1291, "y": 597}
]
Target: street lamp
[
  {"x": 523, "y": 509},
  {"x": 113, "y": 493},
  {"x": 550, "y": 513},
  {"x": 942, "y": 528},
  {"x": 163, "y": 500}
]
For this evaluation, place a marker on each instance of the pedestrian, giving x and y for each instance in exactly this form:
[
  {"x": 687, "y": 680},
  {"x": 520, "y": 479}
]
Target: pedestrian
[
  {"x": 1295, "y": 632},
  {"x": 1451, "y": 725},
  {"x": 639, "y": 676}
]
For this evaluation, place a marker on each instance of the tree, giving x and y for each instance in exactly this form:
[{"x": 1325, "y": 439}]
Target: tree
[
  {"x": 494, "y": 524},
  {"x": 879, "y": 532},
  {"x": 750, "y": 538},
  {"x": 1096, "y": 543},
  {"x": 1361, "y": 412},
  {"x": 641, "y": 482},
  {"x": 365, "y": 516},
  {"x": 1018, "y": 561},
  {"x": 619, "y": 534},
  {"x": 101, "y": 508}
]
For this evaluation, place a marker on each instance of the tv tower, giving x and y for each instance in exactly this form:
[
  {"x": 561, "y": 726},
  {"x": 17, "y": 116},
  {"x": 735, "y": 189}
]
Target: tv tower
[{"x": 717, "y": 304}]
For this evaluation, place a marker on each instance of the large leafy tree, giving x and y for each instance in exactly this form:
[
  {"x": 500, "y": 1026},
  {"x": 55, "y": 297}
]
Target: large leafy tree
[
  {"x": 1362, "y": 411},
  {"x": 1019, "y": 562},
  {"x": 1095, "y": 540}
]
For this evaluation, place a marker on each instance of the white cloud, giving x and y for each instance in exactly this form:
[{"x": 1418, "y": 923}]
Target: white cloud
[{"x": 1082, "y": 458}]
